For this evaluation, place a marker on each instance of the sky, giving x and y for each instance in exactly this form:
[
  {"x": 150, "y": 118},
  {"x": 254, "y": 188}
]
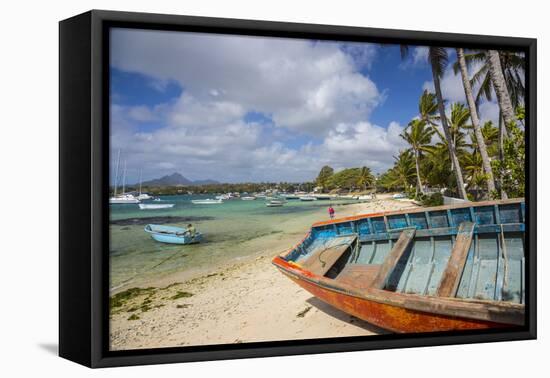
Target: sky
[{"x": 256, "y": 109}]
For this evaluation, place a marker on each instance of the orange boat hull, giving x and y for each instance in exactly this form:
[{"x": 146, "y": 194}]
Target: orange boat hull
[{"x": 393, "y": 318}]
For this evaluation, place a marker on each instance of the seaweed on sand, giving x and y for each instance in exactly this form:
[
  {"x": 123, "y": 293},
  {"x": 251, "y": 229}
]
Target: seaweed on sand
[
  {"x": 120, "y": 299},
  {"x": 181, "y": 294}
]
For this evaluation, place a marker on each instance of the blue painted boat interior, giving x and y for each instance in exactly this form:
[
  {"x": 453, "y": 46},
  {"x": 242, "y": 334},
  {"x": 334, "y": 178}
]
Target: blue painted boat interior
[{"x": 495, "y": 264}]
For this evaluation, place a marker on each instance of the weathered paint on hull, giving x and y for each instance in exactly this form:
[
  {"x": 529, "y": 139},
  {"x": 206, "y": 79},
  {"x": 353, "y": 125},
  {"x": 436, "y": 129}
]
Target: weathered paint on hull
[{"x": 393, "y": 318}]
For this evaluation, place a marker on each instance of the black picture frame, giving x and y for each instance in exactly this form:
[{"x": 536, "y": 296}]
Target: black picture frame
[{"x": 83, "y": 180}]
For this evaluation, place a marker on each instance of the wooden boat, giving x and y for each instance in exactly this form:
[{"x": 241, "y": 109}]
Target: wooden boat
[
  {"x": 172, "y": 235},
  {"x": 155, "y": 206},
  {"x": 445, "y": 268}
]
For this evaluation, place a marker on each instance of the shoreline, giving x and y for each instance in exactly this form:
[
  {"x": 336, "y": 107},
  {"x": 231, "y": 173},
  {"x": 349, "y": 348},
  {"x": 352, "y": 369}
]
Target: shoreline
[{"x": 245, "y": 300}]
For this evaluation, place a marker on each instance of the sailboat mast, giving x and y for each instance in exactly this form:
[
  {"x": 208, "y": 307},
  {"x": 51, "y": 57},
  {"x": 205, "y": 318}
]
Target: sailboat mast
[
  {"x": 116, "y": 171},
  {"x": 124, "y": 179},
  {"x": 140, "y": 172}
]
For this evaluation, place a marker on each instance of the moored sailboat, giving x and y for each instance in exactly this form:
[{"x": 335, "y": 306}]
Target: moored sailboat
[{"x": 123, "y": 198}]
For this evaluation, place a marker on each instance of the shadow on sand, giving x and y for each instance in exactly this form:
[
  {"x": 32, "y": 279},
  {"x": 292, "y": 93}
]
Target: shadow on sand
[{"x": 347, "y": 318}]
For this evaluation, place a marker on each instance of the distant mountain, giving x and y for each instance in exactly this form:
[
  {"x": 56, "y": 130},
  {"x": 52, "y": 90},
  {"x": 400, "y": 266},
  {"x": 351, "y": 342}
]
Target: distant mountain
[{"x": 176, "y": 179}]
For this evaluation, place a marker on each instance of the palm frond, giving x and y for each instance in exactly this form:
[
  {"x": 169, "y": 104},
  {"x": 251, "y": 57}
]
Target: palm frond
[{"x": 439, "y": 59}]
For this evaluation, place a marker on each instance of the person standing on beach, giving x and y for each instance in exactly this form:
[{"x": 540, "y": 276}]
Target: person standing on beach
[{"x": 331, "y": 212}]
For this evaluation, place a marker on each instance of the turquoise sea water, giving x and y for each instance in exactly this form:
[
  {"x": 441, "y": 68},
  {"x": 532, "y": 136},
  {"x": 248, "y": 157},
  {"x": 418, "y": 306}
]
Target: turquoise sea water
[{"x": 230, "y": 230}]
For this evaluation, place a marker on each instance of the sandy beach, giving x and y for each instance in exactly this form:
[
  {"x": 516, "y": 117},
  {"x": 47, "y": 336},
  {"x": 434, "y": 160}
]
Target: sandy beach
[{"x": 245, "y": 301}]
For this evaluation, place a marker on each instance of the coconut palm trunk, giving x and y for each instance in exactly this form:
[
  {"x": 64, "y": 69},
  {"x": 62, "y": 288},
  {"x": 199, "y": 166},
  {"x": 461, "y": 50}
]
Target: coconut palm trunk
[
  {"x": 501, "y": 90},
  {"x": 475, "y": 121},
  {"x": 450, "y": 145},
  {"x": 418, "y": 180},
  {"x": 501, "y": 137}
]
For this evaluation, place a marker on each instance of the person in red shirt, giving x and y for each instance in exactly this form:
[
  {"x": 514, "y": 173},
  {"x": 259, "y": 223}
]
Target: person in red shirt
[{"x": 331, "y": 212}]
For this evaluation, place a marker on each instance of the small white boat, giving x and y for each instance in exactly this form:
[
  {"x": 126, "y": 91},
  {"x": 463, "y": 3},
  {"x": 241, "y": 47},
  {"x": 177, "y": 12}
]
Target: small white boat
[
  {"x": 308, "y": 198},
  {"x": 275, "y": 203},
  {"x": 144, "y": 196},
  {"x": 157, "y": 199},
  {"x": 324, "y": 196},
  {"x": 155, "y": 206},
  {"x": 223, "y": 197},
  {"x": 248, "y": 198},
  {"x": 399, "y": 196},
  {"x": 123, "y": 199},
  {"x": 367, "y": 197},
  {"x": 208, "y": 201}
]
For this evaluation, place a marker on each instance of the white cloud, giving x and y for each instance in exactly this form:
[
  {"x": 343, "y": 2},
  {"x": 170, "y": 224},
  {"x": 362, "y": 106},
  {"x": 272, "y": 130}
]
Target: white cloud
[
  {"x": 451, "y": 83},
  {"x": 489, "y": 111},
  {"x": 363, "y": 144},
  {"x": 420, "y": 55},
  {"x": 308, "y": 89},
  {"x": 305, "y": 86},
  {"x": 417, "y": 57},
  {"x": 362, "y": 54},
  {"x": 141, "y": 113}
]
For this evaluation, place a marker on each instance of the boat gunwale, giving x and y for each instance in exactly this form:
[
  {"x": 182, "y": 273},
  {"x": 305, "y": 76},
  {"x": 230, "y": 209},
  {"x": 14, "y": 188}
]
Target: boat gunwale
[
  {"x": 417, "y": 210},
  {"x": 469, "y": 308}
]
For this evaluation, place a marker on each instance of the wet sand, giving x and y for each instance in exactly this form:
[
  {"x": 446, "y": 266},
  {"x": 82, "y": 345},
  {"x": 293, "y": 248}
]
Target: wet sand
[{"x": 247, "y": 301}]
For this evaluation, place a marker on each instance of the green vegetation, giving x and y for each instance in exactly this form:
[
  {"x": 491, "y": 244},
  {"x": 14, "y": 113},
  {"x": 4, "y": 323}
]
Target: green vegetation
[
  {"x": 181, "y": 294},
  {"x": 225, "y": 188},
  {"x": 324, "y": 176},
  {"x": 435, "y": 199},
  {"x": 120, "y": 299},
  {"x": 133, "y": 317},
  {"x": 466, "y": 160},
  {"x": 349, "y": 179}
]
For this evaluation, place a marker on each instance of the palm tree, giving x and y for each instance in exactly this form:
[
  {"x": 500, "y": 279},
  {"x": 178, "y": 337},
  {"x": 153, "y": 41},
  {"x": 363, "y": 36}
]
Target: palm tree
[
  {"x": 500, "y": 87},
  {"x": 365, "y": 178},
  {"x": 420, "y": 138},
  {"x": 475, "y": 121},
  {"x": 473, "y": 168},
  {"x": 428, "y": 112},
  {"x": 437, "y": 167},
  {"x": 458, "y": 122},
  {"x": 438, "y": 59},
  {"x": 513, "y": 68},
  {"x": 402, "y": 174}
]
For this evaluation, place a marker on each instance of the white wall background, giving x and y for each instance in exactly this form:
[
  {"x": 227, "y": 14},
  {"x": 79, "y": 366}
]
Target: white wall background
[{"x": 29, "y": 189}]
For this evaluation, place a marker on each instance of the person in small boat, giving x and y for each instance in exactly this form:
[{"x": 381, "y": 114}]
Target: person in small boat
[
  {"x": 331, "y": 212},
  {"x": 191, "y": 231}
]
